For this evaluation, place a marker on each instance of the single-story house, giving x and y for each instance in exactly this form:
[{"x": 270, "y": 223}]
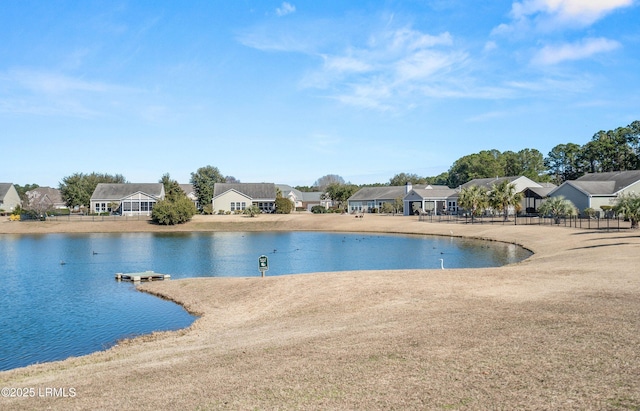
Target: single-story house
[
  {"x": 595, "y": 190},
  {"x": 303, "y": 199},
  {"x": 45, "y": 198},
  {"x": 368, "y": 199},
  {"x": 127, "y": 198},
  {"x": 9, "y": 198},
  {"x": 432, "y": 199},
  {"x": 238, "y": 196},
  {"x": 530, "y": 200}
]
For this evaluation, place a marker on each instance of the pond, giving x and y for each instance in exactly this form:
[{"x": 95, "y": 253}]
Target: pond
[{"x": 60, "y": 298}]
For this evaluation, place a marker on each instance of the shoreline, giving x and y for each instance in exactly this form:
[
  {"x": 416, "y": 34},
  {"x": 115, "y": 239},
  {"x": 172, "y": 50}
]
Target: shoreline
[{"x": 351, "y": 339}]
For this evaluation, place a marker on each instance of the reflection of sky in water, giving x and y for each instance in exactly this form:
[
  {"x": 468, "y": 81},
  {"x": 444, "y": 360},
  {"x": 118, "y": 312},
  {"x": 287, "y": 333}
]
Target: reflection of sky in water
[{"x": 50, "y": 311}]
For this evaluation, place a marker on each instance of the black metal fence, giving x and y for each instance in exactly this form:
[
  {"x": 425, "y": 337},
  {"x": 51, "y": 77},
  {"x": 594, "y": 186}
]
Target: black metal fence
[
  {"x": 89, "y": 218},
  {"x": 613, "y": 223}
]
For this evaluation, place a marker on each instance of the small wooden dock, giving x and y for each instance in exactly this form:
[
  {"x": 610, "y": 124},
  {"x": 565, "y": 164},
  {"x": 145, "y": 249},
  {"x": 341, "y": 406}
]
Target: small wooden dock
[{"x": 143, "y": 276}]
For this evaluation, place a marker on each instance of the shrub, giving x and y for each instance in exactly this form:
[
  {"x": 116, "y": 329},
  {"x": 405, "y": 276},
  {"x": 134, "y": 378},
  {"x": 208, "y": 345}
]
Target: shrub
[
  {"x": 318, "y": 209},
  {"x": 283, "y": 205},
  {"x": 168, "y": 212}
]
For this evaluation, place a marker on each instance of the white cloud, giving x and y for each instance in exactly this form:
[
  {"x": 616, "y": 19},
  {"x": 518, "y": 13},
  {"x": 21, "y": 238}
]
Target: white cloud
[
  {"x": 285, "y": 8},
  {"x": 552, "y": 15},
  {"x": 550, "y": 55},
  {"x": 582, "y": 11}
]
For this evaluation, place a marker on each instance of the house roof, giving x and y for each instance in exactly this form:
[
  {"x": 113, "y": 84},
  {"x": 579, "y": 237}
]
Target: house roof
[
  {"x": 594, "y": 187},
  {"x": 4, "y": 189},
  {"x": 380, "y": 193},
  {"x": 522, "y": 182},
  {"x": 621, "y": 179},
  {"x": 286, "y": 189},
  {"x": 252, "y": 190},
  {"x": 542, "y": 192},
  {"x": 435, "y": 192},
  {"x": 44, "y": 194},
  {"x": 187, "y": 188},
  {"x": 112, "y": 191}
]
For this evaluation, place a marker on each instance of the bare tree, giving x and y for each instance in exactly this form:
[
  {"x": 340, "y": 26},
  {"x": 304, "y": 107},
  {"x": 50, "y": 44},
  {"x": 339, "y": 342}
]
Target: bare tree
[{"x": 323, "y": 182}]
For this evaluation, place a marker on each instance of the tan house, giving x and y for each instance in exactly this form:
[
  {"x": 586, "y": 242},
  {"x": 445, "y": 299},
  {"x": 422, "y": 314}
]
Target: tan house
[
  {"x": 595, "y": 190},
  {"x": 9, "y": 198},
  {"x": 430, "y": 199},
  {"x": 236, "y": 197},
  {"x": 126, "y": 199}
]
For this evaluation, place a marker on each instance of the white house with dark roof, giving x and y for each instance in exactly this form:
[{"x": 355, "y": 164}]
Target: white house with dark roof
[
  {"x": 9, "y": 197},
  {"x": 532, "y": 192},
  {"x": 431, "y": 199},
  {"x": 368, "y": 199},
  {"x": 595, "y": 190},
  {"x": 236, "y": 197},
  {"x": 126, "y": 199},
  {"x": 303, "y": 199}
]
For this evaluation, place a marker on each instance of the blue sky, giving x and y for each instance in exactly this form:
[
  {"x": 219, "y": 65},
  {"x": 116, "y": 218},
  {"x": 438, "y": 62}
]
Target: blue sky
[{"x": 287, "y": 92}]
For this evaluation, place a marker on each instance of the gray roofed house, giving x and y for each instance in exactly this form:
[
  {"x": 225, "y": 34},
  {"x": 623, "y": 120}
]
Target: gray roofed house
[
  {"x": 44, "y": 198},
  {"x": 532, "y": 192},
  {"x": 303, "y": 199},
  {"x": 126, "y": 198},
  {"x": 370, "y": 199},
  {"x": 431, "y": 199},
  {"x": 595, "y": 190},
  {"x": 9, "y": 198},
  {"x": 235, "y": 197}
]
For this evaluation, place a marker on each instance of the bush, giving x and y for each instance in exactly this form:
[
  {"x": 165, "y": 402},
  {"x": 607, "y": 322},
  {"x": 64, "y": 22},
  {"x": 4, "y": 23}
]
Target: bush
[
  {"x": 283, "y": 206},
  {"x": 179, "y": 211},
  {"x": 318, "y": 209}
]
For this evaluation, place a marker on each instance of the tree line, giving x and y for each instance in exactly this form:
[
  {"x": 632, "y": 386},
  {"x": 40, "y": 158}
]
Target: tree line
[{"x": 613, "y": 150}]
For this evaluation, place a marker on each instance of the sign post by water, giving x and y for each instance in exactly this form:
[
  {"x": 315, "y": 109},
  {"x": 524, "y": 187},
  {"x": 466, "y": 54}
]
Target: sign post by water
[{"x": 263, "y": 264}]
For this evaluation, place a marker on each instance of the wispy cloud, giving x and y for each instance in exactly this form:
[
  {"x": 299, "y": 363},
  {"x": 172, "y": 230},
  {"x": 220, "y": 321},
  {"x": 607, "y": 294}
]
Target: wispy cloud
[
  {"x": 49, "y": 93},
  {"x": 552, "y": 15},
  {"x": 549, "y": 55},
  {"x": 285, "y": 8}
]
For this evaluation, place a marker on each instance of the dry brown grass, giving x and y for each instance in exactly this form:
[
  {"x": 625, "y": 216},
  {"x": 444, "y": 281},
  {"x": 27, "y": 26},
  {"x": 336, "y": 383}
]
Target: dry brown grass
[{"x": 558, "y": 331}]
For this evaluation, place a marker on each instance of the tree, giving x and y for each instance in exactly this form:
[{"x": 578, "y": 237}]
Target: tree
[
  {"x": 176, "y": 211},
  {"x": 203, "y": 181},
  {"x": 172, "y": 189},
  {"x": 339, "y": 194},
  {"x": 564, "y": 163},
  {"x": 231, "y": 179},
  {"x": 323, "y": 182},
  {"x": 283, "y": 205},
  {"x": 628, "y": 205},
  {"x": 474, "y": 199},
  {"x": 502, "y": 196},
  {"x": 22, "y": 191},
  {"x": 485, "y": 164},
  {"x": 557, "y": 207},
  {"x": 402, "y": 179},
  {"x": 176, "y": 208},
  {"x": 76, "y": 190}
]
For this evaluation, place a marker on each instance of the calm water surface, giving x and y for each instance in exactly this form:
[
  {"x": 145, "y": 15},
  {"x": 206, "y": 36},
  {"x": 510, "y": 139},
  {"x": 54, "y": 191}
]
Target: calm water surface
[{"x": 50, "y": 311}]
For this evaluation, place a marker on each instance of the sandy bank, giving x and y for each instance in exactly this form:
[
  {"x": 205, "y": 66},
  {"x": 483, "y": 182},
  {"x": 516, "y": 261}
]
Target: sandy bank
[{"x": 560, "y": 330}]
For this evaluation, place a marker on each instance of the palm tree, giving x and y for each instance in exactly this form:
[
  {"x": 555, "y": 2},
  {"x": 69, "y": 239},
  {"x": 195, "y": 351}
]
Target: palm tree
[
  {"x": 628, "y": 205},
  {"x": 557, "y": 207},
  {"x": 474, "y": 199},
  {"x": 503, "y": 195}
]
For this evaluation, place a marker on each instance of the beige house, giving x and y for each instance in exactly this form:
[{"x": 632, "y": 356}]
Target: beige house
[
  {"x": 191, "y": 193},
  {"x": 595, "y": 190},
  {"x": 303, "y": 199},
  {"x": 430, "y": 199},
  {"x": 531, "y": 191},
  {"x": 9, "y": 198},
  {"x": 126, "y": 199},
  {"x": 236, "y": 197}
]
